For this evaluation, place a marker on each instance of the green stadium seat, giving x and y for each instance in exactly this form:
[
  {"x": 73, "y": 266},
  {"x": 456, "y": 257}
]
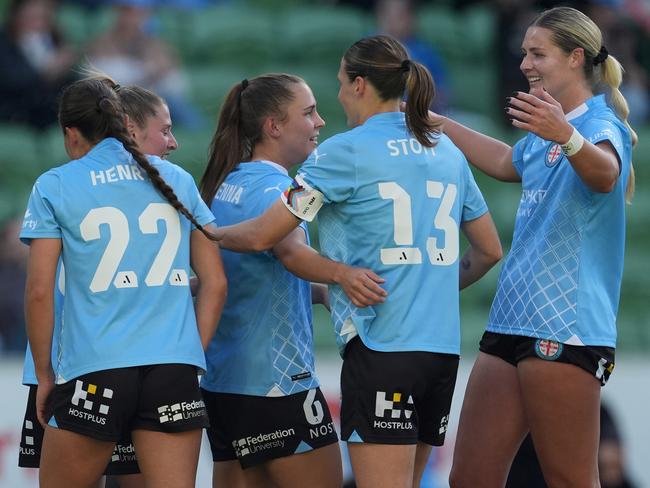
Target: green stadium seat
[
  {"x": 228, "y": 35},
  {"x": 438, "y": 26},
  {"x": 209, "y": 84},
  {"x": 80, "y": 25},
  {"x": 318, "y": 35}
]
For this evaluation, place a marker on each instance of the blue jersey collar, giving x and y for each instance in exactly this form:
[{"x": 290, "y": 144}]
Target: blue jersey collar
[
  {"x": 385, "y": 117},
  {"x": 109, "y": 145},
  {"x": 583, "y": 108},
  {"x": 278, "y": 167},
  {"x": 261, "y": 163}
]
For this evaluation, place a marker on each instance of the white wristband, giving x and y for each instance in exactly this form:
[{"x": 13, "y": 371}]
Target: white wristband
[{"x": 574, "y": 144}]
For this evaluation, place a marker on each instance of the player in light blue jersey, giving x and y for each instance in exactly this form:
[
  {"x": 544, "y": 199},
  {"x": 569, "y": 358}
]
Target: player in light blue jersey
[
  {"x": 551, "y": 333},
  {"x": 131, "y": 339},
  {"x": 395, "y": 194},
  {"x": 261, "y": 358},
  {"x": 150, "y": 127}
]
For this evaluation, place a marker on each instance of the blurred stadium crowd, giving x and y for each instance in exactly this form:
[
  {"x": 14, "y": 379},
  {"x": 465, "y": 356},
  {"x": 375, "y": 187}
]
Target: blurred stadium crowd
[{"x": 192, "y": 51}]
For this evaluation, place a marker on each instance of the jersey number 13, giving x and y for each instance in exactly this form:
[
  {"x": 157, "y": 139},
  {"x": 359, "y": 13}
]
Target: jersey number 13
[{"x": 403, "y": 226}]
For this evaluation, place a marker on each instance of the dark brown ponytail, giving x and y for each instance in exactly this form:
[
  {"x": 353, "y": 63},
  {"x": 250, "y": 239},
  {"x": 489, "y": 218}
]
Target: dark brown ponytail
[
  {"x": 242, "y": 115},
  {"x": 384, "y": 62}
]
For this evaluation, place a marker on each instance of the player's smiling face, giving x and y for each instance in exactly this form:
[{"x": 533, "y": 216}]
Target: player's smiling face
[
  {"x": 156, "y": 136},
  {"x": 544, "y": 64},
  {"x": 301, "y": 125}
]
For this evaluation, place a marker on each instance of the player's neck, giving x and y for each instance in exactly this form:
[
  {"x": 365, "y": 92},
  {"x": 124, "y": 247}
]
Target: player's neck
[
  {"x": 262, "y": 152},
  {"x": 377, "y": 107}
]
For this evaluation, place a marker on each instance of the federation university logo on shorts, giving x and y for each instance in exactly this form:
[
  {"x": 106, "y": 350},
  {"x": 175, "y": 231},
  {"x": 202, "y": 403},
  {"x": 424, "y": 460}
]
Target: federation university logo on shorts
[
  {"x": 123, "y": 453},
  {"x": 548, "y": 350},
  {"x": 393, "y": 407},
  {"x": 553, "y": 155},
  {"x": 262, "y": 442},
  {"x": 180, "y": 411},
  {"x": 89, "y": 400}
]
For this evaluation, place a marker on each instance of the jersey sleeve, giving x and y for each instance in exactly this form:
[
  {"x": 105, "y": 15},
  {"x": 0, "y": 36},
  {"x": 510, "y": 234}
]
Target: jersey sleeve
[
  {"x": 197, "y": 206},
  {"x": 200, "y": 210},
  {"x": 599, "y": 130},
  {"x": 40, "y": 219},
  {"x": 518, "y": 155},
  {"x": 474, "y": 204},
  {"x": 328, "y": 176},
  {"x": 272, "y": 188}
]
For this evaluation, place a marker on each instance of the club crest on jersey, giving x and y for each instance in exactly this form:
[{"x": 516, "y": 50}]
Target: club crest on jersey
[
  {"x": 548, "y": 350},
  {"x": 553, "y": 155}
]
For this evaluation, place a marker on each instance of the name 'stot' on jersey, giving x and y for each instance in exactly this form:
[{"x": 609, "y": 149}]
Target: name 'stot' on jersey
[{"x": 394, "y": 206}]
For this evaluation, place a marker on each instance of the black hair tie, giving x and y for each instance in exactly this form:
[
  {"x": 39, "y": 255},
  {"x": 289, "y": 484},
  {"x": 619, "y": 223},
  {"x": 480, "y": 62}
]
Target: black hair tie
[
  {"x": 99, "y": 103},
  {"x": 601, "y": 56},
  {"x": 406, "y": 65}
]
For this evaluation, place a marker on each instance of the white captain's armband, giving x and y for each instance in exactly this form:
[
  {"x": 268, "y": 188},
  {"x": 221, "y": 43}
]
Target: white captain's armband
[{"x": 302, "y": 200}]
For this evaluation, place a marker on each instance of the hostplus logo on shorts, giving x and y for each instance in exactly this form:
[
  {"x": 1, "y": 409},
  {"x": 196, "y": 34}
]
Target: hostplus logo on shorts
[
  {"x": 28, "y": 440},
  {"x": 395, "y": 408},
  {"x": 181, "y": 411},
  {"x": 87, "y": 398},
  {"x": 261, "y": 442}
]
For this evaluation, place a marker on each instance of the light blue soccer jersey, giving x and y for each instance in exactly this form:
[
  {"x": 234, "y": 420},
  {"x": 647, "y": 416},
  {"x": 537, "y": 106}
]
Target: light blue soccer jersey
[
  {"x": 395, "y": 207},
  {"x": 561, "y": 279},
  {"x": 29, "y": 370},
  {"x": 127, "y": 261},
  {"x": 264, "y": 342}
]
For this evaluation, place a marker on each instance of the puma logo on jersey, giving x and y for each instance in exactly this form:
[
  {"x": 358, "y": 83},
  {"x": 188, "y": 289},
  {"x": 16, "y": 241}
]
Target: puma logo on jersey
[{"x": 318, "y": 156}]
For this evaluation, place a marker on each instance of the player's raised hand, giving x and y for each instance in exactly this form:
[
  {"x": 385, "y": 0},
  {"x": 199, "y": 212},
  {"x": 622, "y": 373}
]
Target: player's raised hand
[
  {"x": 362, "y": 286},
  {"x": 538, "y": 112}
]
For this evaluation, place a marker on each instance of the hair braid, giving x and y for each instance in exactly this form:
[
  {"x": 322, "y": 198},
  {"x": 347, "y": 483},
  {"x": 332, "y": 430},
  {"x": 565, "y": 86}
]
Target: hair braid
[{"x": 119, "y": 131}]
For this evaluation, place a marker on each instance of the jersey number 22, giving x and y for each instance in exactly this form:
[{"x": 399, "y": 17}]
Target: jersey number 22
[{"x": 107, "y": 269}]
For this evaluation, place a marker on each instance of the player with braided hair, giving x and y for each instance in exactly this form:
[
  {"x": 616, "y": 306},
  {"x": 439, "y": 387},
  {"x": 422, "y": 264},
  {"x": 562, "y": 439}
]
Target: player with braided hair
[
  {"x": 132, "y": 340},
  {"x": 117, "y": 127},
  {"x": 149, "y": 124}
]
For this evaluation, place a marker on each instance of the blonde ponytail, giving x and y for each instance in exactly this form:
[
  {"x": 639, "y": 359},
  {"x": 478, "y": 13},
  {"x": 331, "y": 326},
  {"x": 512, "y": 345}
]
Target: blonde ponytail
[{"x": 611, "y": 75}]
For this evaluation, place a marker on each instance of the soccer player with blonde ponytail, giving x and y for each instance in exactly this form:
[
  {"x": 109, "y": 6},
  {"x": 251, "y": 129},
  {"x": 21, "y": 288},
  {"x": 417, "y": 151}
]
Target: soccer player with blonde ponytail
[{"x": 551, "y": 333}]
